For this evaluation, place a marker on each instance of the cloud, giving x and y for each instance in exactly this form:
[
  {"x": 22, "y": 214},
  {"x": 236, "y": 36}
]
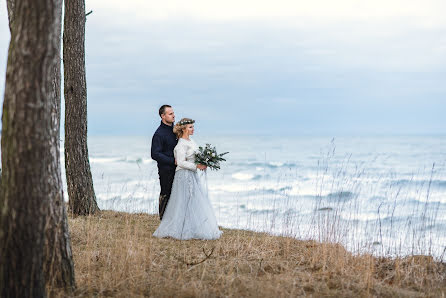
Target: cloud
[
  {"x": 230, "y": 10},
  {"x": 293, "y": 67},
  {"x": 344, "y": 77}
]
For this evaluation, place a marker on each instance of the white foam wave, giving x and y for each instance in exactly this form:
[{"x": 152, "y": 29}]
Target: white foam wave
[
  {"x": 233, "y": 187},
  {"x": 104, "y": 159},
  {"x": 129, "y": 159},
  {"x": 365, "y": 216},
  {"x": 147, "y": 160},
  {"x": 243, "y": 176},
  {"x": 248, "y": 186},
  {"x": 145, "y": 194}
]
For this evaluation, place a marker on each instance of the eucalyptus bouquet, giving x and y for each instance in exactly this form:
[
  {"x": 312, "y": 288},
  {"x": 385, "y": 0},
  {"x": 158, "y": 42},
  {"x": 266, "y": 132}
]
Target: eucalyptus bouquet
[{"x": 209, "y": 157}]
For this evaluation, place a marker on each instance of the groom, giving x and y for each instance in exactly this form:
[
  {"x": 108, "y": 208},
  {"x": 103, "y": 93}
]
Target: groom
[{"x": 163, "y": 143}]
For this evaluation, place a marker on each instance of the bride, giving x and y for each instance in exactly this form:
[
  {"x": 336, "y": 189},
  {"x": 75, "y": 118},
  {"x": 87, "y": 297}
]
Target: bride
[{"x": 189, "y": 213}]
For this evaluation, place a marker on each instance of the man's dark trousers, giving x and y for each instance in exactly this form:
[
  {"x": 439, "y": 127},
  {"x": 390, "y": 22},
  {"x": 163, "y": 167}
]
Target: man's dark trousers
[{"x": 166, "y": 179}]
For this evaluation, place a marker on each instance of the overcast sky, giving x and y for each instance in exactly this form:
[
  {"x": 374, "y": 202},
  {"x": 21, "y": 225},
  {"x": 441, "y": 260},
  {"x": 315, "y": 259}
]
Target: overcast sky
[{"x": 266, "y": 67}]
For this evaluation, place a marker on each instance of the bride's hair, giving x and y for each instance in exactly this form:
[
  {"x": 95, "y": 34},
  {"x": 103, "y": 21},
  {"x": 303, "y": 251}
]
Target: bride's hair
[{"x": 179, "y": 126}]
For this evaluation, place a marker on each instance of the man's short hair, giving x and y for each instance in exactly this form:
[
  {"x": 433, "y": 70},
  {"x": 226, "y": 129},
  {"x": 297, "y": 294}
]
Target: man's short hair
[{"x": 162, "y": 110}]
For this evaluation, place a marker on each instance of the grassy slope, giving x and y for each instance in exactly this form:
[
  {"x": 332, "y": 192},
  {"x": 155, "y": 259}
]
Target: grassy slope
[{"x": 116, "y": 255}]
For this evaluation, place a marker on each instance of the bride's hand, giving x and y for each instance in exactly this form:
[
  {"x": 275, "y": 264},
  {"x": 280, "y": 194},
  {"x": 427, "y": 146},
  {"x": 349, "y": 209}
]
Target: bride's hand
[{"x": 201, "y": 167}]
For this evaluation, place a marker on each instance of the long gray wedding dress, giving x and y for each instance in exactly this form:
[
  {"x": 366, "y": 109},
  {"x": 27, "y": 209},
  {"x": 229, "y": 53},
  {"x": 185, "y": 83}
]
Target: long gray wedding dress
[{"x": 189, "y": 213}]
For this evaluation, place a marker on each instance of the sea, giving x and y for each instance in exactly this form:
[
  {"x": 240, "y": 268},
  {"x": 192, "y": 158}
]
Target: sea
[{"x": 384, "y": 195}]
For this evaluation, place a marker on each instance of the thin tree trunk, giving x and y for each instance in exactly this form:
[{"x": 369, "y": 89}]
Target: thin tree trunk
[
  {"x": 82, "y": 199},
  {"x": 29, "y": 159},
  {"x": 58, "y": 266}
]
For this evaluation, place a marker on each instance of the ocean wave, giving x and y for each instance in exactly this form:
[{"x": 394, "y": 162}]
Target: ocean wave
[
  {"x": 245, "y": 176},
  {"x": 378, "y": 199},
  {"x": 253, "y": 210},
  {"x": 433, "y": 198},
  {"x": 133, "y": 192},
  {"x": 127, "y": 159},
  {"x": 332, "y": 196},
  {"x": 364, "y": 216},
  {"x": 132, "y": 205},
  {"x": 104, "y": 159},
  {"x": 248, "y": 188},
  {"x": 271, "y": 164},
  {"x": 275, "y": 190},
  {"x": 341, "y": 195},
  {"x": 420, "y": 182},
  {"x": 139, "y": 160}
]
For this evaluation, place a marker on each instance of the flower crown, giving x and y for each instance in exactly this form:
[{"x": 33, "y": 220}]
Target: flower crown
[{"x": 184, "y": 122}]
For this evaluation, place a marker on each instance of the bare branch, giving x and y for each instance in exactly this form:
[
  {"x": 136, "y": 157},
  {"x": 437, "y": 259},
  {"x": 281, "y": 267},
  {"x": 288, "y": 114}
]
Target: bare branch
[{"x": 207, "y": 256}]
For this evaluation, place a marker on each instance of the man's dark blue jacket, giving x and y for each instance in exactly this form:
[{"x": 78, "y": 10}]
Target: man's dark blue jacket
[{"x": 163, "y": 143}]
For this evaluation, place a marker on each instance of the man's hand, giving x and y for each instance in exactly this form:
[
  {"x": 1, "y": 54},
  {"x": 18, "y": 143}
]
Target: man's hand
[
  {"x": 175, "y": 162},
  {"x": 201, "y": 167}
]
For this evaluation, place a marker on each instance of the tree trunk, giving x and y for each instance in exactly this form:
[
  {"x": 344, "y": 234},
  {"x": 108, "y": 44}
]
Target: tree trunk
[
  {"x": 30, "y": 161},
  {"x": 82, "y": 199},
  {"x": 58, "y": 266},
  {"x": 10, "y": 4}
]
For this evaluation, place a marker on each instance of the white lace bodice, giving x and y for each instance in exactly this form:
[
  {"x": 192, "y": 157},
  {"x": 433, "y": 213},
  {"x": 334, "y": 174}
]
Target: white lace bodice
[{"x": 184, "y": 153}]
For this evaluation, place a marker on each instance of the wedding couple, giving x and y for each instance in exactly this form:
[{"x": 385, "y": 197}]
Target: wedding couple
[{"x": 184, "y": 207}]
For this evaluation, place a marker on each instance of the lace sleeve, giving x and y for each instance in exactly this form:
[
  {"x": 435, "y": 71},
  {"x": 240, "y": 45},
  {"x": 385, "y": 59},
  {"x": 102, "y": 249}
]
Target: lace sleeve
[{"x": 180, "y": 155}]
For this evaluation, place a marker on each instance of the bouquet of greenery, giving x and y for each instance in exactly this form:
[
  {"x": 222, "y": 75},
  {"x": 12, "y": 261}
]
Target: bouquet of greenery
[{"x": 209, "y": 157}]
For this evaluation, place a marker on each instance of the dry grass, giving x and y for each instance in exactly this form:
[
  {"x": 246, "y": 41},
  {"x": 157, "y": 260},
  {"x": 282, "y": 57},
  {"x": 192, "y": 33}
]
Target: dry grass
[{"x": 115, "y": 254}]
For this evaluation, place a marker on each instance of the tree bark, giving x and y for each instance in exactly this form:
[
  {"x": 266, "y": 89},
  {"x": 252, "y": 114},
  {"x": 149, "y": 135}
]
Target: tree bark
[
  {"x": 58, "y": 266},
  {"x": 10, "y": 4},
  {"x": 30, "y": 158},
  {"x": 82, "y": 199}
]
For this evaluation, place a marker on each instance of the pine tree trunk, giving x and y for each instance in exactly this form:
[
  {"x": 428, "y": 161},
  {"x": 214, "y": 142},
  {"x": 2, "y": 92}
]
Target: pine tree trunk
[
  {"x": 58, "y": 266},
  {"x": 30, "y": 162},
  {"x": 82, "y": 199},
  {"x": 10, "y": 4}
]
